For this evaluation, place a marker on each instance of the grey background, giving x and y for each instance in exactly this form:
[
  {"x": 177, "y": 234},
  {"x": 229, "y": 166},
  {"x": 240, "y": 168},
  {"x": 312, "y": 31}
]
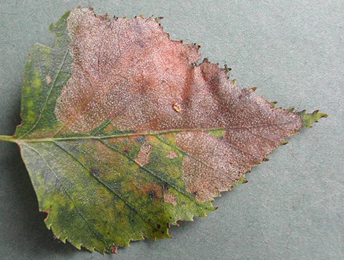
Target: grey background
[{"x": 292, "y": 206}]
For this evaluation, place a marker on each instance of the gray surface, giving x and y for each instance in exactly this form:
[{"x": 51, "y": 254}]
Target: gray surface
[{"x": 292, "y": 207}]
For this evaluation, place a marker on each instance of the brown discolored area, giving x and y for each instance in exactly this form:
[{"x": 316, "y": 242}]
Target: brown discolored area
[
  {"x": 212, "y": 166},
  {"x": 126, "y": 71},
  {"x": 170, "y": 198},
  {"x": 144, "y": 155},
  {"x": 153, "y": 191},
  {"x": 172, "y": 155},
  {"x": 130, "y": 72}
]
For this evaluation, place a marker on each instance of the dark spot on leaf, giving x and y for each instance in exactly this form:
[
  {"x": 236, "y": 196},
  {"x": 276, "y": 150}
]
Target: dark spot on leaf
[
  {"x": 141, "y": 139},
  {"x": 95, "y": 171},
  {"x": 140, "y": 43},
  {"x": 151, "y": 194}
]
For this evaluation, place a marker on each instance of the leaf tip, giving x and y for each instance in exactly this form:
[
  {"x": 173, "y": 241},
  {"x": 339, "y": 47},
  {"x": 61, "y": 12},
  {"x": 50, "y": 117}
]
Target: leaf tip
[{"x": 308, "y": 119}]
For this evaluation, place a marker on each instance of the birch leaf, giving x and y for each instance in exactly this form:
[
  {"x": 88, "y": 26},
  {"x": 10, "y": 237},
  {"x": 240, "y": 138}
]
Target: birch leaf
[{"x": 124, "y": 132}]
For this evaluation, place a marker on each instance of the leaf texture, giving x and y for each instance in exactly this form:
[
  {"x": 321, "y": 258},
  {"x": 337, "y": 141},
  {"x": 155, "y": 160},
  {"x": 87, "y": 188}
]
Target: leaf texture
[{"x": 124, "y": 133}]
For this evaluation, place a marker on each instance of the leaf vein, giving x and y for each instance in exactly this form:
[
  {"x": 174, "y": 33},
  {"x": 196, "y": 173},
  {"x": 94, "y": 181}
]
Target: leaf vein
[
  {"x": 65, "y": 190},
  {"x": 147, "y": 170},
  {"x": 161, "y": 139},
  {"x": 105, "y": 185}
]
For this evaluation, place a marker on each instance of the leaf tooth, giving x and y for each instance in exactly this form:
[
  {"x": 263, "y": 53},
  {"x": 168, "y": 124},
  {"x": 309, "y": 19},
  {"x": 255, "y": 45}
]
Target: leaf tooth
[
  {"x": 226, "y": 68},
  {"x": 114, "y": 249},
  {"x": 284, "y": 142},
  {"x": 158, "y": 19}
]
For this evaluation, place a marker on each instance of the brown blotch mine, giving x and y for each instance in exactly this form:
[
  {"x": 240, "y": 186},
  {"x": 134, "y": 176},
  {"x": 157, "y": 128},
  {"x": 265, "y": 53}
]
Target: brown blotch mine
[
  {"x": 131, "y": 72},
  {"x": 172, "y": 155},
  {"x": 143, "y": 156},
  {"x": 170, "y": 198}
]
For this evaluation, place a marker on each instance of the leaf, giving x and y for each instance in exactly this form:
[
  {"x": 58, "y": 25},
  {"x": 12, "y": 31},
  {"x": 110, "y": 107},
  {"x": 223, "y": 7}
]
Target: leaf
[{"x": 123, "y": 134}]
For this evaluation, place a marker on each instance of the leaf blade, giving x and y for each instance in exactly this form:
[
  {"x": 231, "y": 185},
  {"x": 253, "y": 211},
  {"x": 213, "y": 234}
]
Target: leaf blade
[{"x": 132, "y": 159}]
